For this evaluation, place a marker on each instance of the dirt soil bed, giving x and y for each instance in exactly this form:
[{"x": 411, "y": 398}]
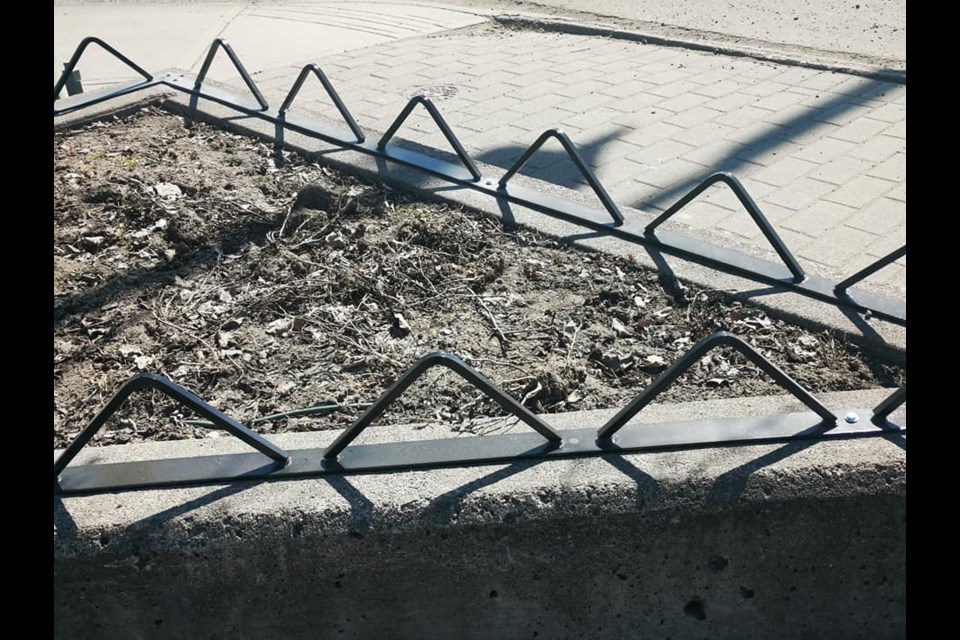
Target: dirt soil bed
[{"x": 268, "y": 288}]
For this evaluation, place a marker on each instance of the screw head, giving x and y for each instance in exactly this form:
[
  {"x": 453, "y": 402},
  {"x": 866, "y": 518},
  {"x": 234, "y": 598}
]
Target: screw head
[{"x": 851, "y": 418}]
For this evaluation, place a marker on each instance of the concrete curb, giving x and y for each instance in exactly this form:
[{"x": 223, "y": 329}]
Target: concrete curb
[
  {"x": 777, "y": 541},
  {"x": 809, "y": 58}
]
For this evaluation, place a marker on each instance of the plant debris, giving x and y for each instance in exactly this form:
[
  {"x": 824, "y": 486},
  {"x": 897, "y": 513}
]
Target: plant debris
[{"x": 291, "y": 296}]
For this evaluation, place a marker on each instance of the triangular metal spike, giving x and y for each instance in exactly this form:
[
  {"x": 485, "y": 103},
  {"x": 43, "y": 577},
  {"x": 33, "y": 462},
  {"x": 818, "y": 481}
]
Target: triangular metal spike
[
  {"x": 890, "y": 404},
  {"x": 411, "y": 375},
  {"x": 571, "y": 150},
  {"x": 751, "y": 207},
  {"x": 218, "y": 44},
  {"x": 75, "y": 58},
  {"x": 328, "y": 87},
  {"x": 869, "y": 270},
  {"x": 687, "y": 360},
  {"x": 444, "y": 128},
  {"x": 182, "y": 396}
]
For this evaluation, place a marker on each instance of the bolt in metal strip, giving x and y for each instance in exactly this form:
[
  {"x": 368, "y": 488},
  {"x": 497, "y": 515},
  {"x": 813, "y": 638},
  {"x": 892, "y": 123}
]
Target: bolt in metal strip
[
  {"x": 341, "y": 107},
  {"x": 182, "y": 396},
  {"x": 735, "y": 185},
  {"x": 444, "y": 128},
  {"x": 841, "y": 289},
  {"x": 571, "y": 150},
  {"x": 721, "y": 338},
  {"x": 883, "y": 410},
  {"x": 220, "y": 43},
  {"x": 454, "y": 363},
  {"x": 69, "y": 67}
]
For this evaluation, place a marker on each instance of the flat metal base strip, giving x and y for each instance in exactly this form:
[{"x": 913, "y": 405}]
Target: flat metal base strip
[
  {"x": 684, "y": 247},
  {"x": 490, "y": 449}
]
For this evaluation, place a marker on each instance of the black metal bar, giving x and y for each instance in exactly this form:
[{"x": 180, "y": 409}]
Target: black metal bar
[
  {"x": 182, "y": 396},
  {"x": 571, "y": 150},
  {"x": 490, "y": 449},
  {"x": 69, "y": 66},
  {"x": 220, "y": 43},
  {"x": 444, "y": 128},
  {"x": 751, "y": 207},
  {"x": 841, "y": 289},
  {"x": 341, "y": 107},
  {"x": 883, "y": 410},
  {"x": 454, "y": 363},
  {"x": 721, "y": 338},
  {"x": 74, "y": 84}
]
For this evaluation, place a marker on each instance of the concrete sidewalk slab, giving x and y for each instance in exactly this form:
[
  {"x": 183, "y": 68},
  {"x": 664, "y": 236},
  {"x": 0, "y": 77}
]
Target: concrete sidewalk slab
[{"x": 163, "y": 36}]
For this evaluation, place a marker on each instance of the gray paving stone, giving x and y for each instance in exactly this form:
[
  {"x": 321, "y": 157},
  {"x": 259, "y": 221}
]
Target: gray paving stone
[
  {"x": 716, "y": 153},
  {"x": 800, "y": 194},
  {"x": 703, "y": 134},
  {"x": 894, "y": 169},
  {"x": 841, "y": 170},
  {"x": 860, "y": 130},
  {"x": 683, "y": 102},
  {"x": 887, "y": 243},
  {"x": 692, "y": 117},
  {"x": 765, "y": 88},
  {"x": 880, "y": 216},
  {"x": 820, "y": 217},
  {"x": 660, "y": 152},
  {"x": 860, "y": 190},
  {"x": 784, "y": 171},
  {"x": 825, "y": 149},
  {"x": 668, "y": 88},
  {"x": 899, "y": 192},
  {"x": 838, "y": 247}
]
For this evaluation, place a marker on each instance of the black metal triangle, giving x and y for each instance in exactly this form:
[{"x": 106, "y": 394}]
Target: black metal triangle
[
  {"x": 75, "y": 58},
  {"x": 220, "y": 43},
  {"x": 870, "y": 269},
  {"x": 890, "y": 404},
  {"x": 328, "y": 87},
  {"x": 751, "y": 207},
  {"x": 182, "y": 396},
  {"x": 721, "y": 338},
  {"x": 411, "y": 375},
  {"x": 444, "y": 128},
  {"x": 585, "y": 171}
]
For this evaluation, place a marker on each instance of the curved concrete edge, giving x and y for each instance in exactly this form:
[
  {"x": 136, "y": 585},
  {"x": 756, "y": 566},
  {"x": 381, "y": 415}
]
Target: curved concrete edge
[
  {"x": 884, "y": 69},
  {"x": 787, "y": 540}
]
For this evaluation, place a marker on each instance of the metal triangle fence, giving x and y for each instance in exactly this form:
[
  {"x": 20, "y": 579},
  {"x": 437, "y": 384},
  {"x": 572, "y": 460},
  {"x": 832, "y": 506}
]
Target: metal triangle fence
[
  {"x": 444, "y": 128},
  {"x": 218, "y": 44},
  {"x": 894, "y": 401},
  {"x": 328, "y": 87},
  {"x": 691, "y": 357},
  {"x": 621, "y": 434},
  {"x": 571, "y": 150},
  {"x": 873, "y": 267},
  {"x": 788, "y": 276},
  {"x": 751, "y": 207},
  {"x": 182, "y": 397}
]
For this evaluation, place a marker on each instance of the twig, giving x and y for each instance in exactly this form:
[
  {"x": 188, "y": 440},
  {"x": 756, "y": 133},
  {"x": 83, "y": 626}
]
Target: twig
[
  {"x": 496, "y": 327},
  {"x": 573, "y": 341},
  {"x": 537, "y": 390}
]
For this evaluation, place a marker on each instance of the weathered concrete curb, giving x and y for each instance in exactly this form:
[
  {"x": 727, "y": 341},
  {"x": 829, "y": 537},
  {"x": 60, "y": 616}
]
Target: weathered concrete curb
[
  {"x": 885, "y": 70},
  {"x": 774, "y": 541}
]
